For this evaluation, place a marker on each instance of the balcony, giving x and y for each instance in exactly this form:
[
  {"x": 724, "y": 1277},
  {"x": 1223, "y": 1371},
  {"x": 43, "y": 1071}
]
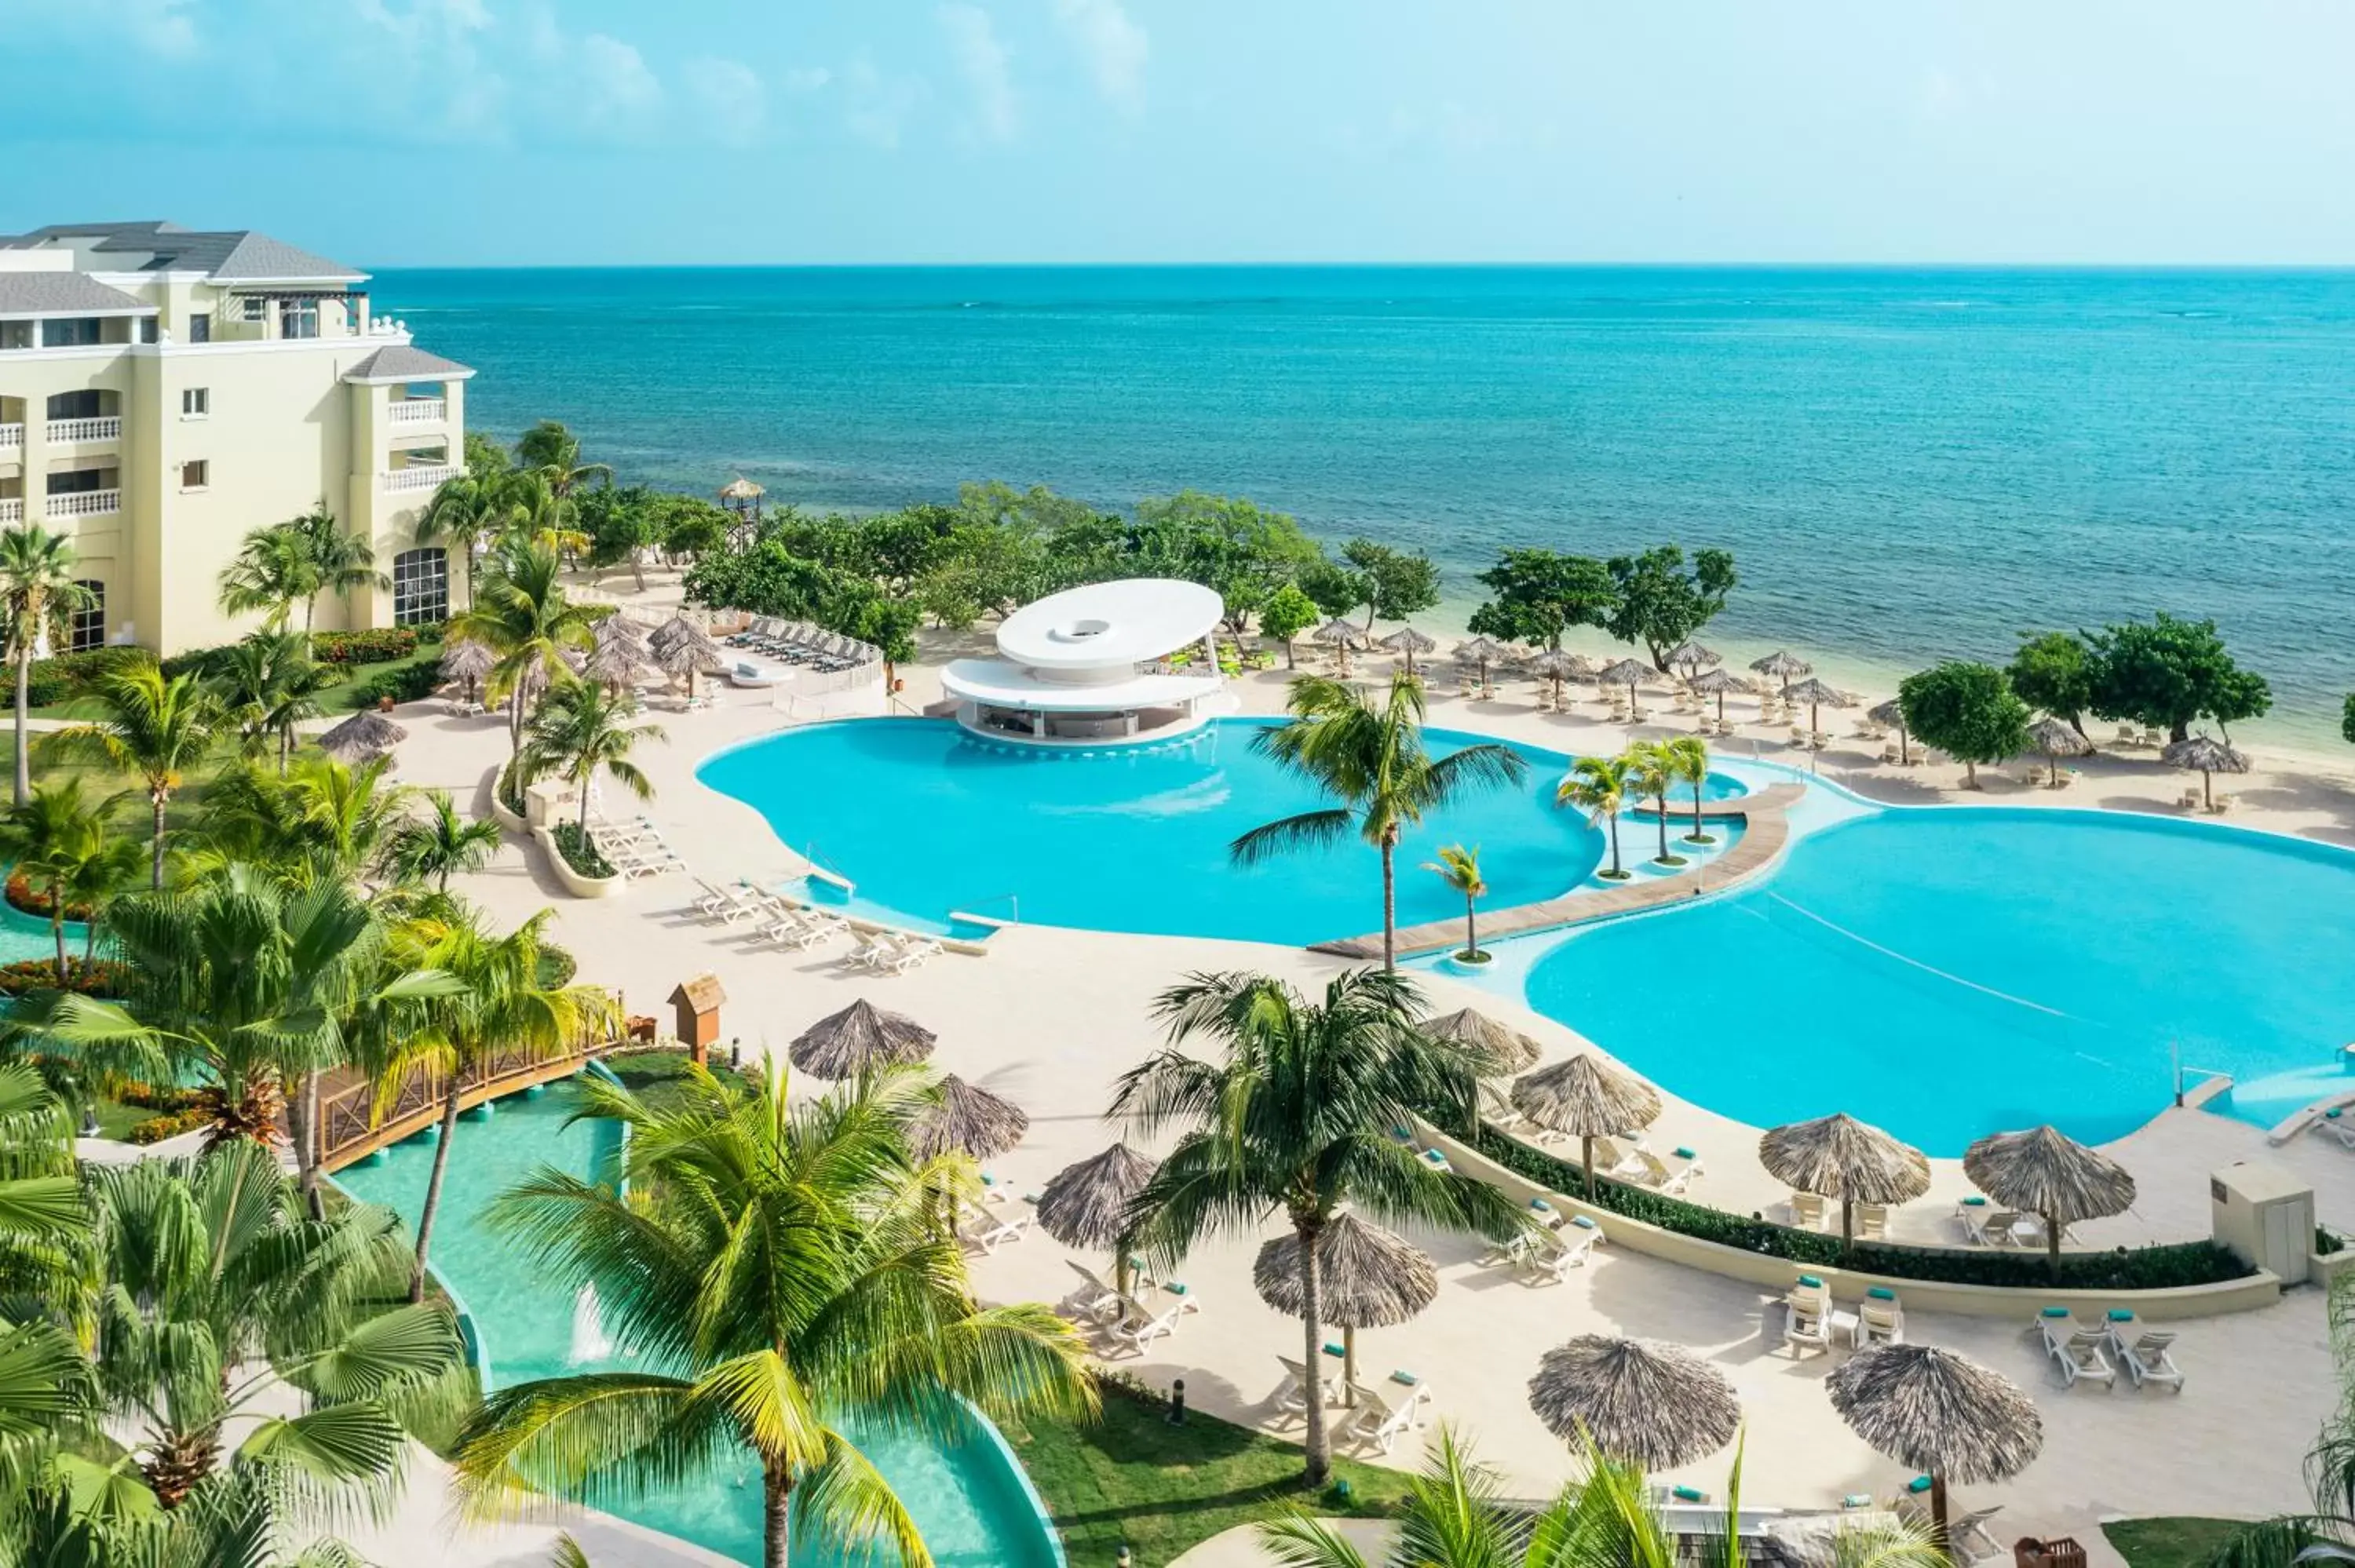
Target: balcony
[
  {"x": 420, "y": 411},
  {"x": 108, "y": 429},
  {"x": 83, "y": 503},
  {"x": 424, "y": 476},
  {"x": 12, "y": 437},
  {"x": 12, "y": 509}
]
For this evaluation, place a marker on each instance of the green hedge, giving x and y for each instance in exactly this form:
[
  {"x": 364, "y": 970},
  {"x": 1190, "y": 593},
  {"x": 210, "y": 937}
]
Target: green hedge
[
  {"x": 2138, "y": 1268},
  {"x": 579, "y": 853},
  {"x": 380, "y": 645},
  {"x": 410, "y": 684},
  {"x": 63, "y": 677}
]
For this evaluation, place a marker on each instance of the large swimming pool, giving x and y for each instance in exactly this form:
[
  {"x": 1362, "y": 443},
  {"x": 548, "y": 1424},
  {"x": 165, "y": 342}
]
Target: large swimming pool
[
  {"x": 1947, "y": 972},
  {"x": 969, "y": 1500},
  {"x": 925, "y": 818}
]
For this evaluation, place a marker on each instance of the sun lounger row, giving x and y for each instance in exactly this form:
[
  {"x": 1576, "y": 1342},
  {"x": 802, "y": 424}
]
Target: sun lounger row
[
  {"x": 1812, "y": 1320},
  {"x": 1126, "y": 1321},
  {"x": 800, "y": 642},
  {"x": 1985, "y": 1225},
  {"x": 635, "y": 849},
  {"x": 2084, "y": 1354},
  {"x": 1374, "y": 1419}
]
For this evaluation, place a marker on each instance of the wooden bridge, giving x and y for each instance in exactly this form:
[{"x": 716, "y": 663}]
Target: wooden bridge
[{"x": 350, "y": 1128}]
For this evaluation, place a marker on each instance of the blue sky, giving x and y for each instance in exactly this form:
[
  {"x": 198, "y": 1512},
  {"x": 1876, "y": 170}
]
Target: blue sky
[{"x": 498, "y": 131}]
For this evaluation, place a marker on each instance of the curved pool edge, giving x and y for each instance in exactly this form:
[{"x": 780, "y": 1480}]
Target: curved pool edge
[{"x": 1041, "y": 1514}]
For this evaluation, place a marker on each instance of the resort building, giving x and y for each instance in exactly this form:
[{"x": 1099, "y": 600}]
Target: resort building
[
  {"x": 163, "y": 391},
  {"x": 1092, "y": 665}
]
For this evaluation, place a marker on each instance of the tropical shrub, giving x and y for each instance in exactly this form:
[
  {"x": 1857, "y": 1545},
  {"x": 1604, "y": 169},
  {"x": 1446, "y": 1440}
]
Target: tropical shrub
[
  {"x": 579, "y": 851},
  {"x": 32, "y": 900},
  {"x": 410, "y": 684},
  {"x": 380, "y": 645},
  {"x": 104, "y": 978},
  {"x": 63, "y": 677},
  {"x": 171, "y": 1123}
]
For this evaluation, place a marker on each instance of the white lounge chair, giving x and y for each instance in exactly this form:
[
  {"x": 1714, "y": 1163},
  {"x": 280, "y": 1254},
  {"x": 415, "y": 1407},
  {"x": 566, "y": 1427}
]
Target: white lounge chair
[
  {"x": 1879, "y": 1320},
  {"x": 1619, "y": 1164},
  {"x": 2078, "y": 1353},
  {"x": 989, "y": 1231},
  {"x": 740, "y": 904},
  {"x": 1650, "y": 1171},
  {"x": 804, "y": 928},
  {"x": 2148, "y": 1357},
  {"x": 1379, "y": 1422},
  {"x": 1807, "y": 1211},
  {"x": 1137, "y": 1327},
  {"x": 907, "y": 953},
  {"x": 1294, "y": 1393},
  {"x": 1550, "y": 1260},
  {"x": 1970, "y": 1532},
  {"x": 2336, "y": 1127},
  {"x": 712, "y": 901},
  {"x": 1807, "y": 1316},
  {"x": 1091, "y": 1298},
  {"x": 869, "y": 951}
]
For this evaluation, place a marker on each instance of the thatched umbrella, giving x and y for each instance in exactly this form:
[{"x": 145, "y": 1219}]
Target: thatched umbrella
[
  {"x": 1843, "y": 1158},
  {"x": 1343, "y": 635},
  {"x": 1628, "y": 673},
  {"x": 859, "y": 1039},
  {"x": 1483, "y": 651},
  {"x": 967, "y": 1118},
  {"x": 1816, "y": 695},
  {"x": 466, "y": 660},
  {"x": 1587, "y": 1100},
  {"x": 1783, "y": 665},
  {"x": 361, "y": 738},
  {"x": 1367, "y": 1279},
  {"x": 1556, "y": 666},
  {"x": 1692, "y": 656},
  {"x": 614, "y": 661},
  {"x": 1642, "y": 1401},
  {"x": 1086, "y": 1204},
  {"x": 2045, "y": 1172},
  {"x": 1716, "y": 684},
  {"x": 1406, "y": 639},
  {"x": 1940, "y": 1413},
  {"x": 2209, "y": 757},
  {"x": 741, "y": 489},
  {"x": 1501, "y": 1049},
  {"x": 686, "y": 652},
  {"x": 2057, "y": 738},
  {"x": 1892, "y": 712}
]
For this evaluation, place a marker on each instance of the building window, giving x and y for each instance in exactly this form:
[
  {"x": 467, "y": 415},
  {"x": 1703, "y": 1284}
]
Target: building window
[
  {"x": 196, "y": 475},
  {"x": 195, "y": 402},
  {"x": 17, "y": 335},
  {"x": 73, "y": 332},
  {"x": 82, "y": 404},
  {"x": 255, "y": 308},
  {"x": 88, "y": 629},
  {"x": 150, "y": 329},
  {"x": 421, "y": 587},
  {"x": 200, "y": 326},
  {"x": 298, "y": 318}
]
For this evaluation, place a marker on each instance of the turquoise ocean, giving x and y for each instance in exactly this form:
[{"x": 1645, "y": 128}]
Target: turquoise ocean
[{"x": 1908, "y": 465}]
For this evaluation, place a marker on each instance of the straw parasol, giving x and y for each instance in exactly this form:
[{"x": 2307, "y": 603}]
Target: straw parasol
[
  {"x": 2208, "y": 757},
  {"x": 968, "y": 1118},
  {"x": 1692, "y": 656},
  {"x": 1642, "y": 1401},
  {"x": 1843, "y": 1158},
  {"x": 1716, "y": 684},
  {"x": 1892, "y": 712},
  {"x": 1501, "y": 1049},
  {"x": 614, "y": 661},
  {"x": 1816, "y": 695},
  {"x": 361, "y": 738},
  {"x": 2057, "y": 738},
  {"x": 1555, "y": 666},
  {"x": 2045, "y": 1172},
  {"x": 1939, "y": 1413},
  {"x": 1086, "y": 1204},
  {"x": 1587, "y": 1100},
  {"x": 741, "y": 489},
  {"x": 859, "y": 1039},
  {"x": 1628, "y": 673},
  {"x": 466, "y": 660},
  {"x": 1343, "y": 635},
  {"x": 1367, "y": 1279},
  {"x": 1406, "y": 639},
  {"x": 681, "y": 647},
  {"x": 1783, "y": 665},
  {"x": 1483, "y": 651}
]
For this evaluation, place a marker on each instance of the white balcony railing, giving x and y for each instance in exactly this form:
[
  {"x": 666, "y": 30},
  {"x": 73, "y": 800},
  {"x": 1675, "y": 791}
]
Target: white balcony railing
[
  {"x": 422, "y": 477},
  {"x": 12, "y": 437},
  {"x": 83, "y": 503},
  {"x": 12, "y": 509},
  {"x": 419, "y": 410},
  {"x": 108, "y": 428}
]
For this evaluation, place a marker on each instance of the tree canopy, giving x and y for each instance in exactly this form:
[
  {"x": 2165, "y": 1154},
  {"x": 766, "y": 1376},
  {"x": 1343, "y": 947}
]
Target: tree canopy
[
  {"x": 1538, "y": 595},
  {"x": 2054, "y": 672},
  {"x": 1969, "y": 711},
  {"x": 1660, "y": 601},
  {"x": 2166, "y": 673}
]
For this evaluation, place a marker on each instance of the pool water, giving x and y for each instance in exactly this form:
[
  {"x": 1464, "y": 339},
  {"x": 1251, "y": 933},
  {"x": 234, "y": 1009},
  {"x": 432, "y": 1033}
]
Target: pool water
[
  {"x": 969, "y": 1500},
  {"x": 926, "y": 820},
  {"x": 1953, "y": 971},
  {"x": 24, "y": 937}
]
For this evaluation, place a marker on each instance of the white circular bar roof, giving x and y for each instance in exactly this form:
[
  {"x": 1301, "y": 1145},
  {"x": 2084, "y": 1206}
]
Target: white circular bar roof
[{"x": 1105, "y": 626}]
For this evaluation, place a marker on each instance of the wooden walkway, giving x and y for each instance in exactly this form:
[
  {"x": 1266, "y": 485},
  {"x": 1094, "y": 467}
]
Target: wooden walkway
[
  {"x": 1766, "y": 828},
  {"x": 351, "y": 1127}
]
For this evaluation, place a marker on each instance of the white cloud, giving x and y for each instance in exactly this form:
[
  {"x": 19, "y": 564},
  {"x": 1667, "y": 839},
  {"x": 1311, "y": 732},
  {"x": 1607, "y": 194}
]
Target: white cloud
[
  {"x": 616, "y": 78},
  {"x": 436, "y": 47},
  {"x": 729, "y": 102},
  {"x": 808, "y": 78},
  {"x": 985, "y": 63},
  {"x": 1113, "y": 46}
]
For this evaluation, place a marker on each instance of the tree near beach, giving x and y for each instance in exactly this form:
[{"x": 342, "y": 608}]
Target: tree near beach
[
  {"x": 2054, "y": 670},
  {"x": 1460, "y": 869},
  {"x": 1661, "y": 602},
  {"x": 1285, "y": 616},
  {"x": 2347, "y": 719},
  {"x": 1396, "y": 583},
  {"x": 1968, "y": 711},
  {"x": 1538, "y": 595},
  {"x": 1652, "y": 768},
  {"x": 2166, "y": 673}
]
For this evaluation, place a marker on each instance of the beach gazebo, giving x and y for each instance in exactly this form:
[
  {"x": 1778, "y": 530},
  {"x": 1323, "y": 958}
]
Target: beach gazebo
[
  {"x": 1482, "y": 652},
  {"x": 2207, "y": 757},
  {"x": 1501, "y": 1049},
  {"x": 1717, "y": 683},
  {"x": 1691, "y": 658},
  {"x": 1554, "y": 666},
  {"x": 1840, "y": 1157},
  {"x": 1783, "y": 665},
  {"x": 466, "y": 660},
  {"x": 2045, "y": 1172},
  {"x": 1628, "y": 673},
  {"x": 859, "y": 1039},
  {"x": 362, "y": 737},
  {"x": 743, "y": 497},
  {"x": 1892, "y": 713},
  {"x": 1086, "y": 1204},
  {"x": 1406, "y": 639},
  {"x": 1341, "y": 634},
  {"x": 1641, "y": 1401},
  {"x": 1816, "y": 695},
  {"x": 2057, "y": 738},
  {"x": 1367, "y": 1279},
  {"x": 966, "y": 1118},
  {"x": 1586, "y": 1100},
  {"x": 1939, "y": 1413}
]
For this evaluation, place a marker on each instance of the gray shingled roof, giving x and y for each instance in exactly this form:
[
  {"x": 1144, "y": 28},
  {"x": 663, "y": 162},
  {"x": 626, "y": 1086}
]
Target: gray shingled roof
[
  {"x": 226, "y": 256},
  {"x": 397, "y": 363},
  {"x": 59, "y": 294}
]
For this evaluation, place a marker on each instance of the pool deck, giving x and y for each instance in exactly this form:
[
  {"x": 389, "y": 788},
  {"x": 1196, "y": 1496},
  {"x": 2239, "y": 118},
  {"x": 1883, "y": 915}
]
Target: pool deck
[
  {"x": 1053, "y": 1016},
  {"x": 1766, "y": 828}
]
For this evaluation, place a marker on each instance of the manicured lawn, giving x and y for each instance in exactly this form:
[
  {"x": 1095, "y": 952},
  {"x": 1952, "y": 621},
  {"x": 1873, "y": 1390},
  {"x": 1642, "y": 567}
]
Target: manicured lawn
[
  {"x": 1133, "y": 1478},
  {"x": 2169, "y": 1542},
  {"x": 345, "y": 696}
]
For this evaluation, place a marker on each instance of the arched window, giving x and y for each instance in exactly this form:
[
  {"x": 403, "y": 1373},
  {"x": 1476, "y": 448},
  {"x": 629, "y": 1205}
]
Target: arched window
[
  {"x": 88, "y": 625},
  {"x": 421, "y": 587}
]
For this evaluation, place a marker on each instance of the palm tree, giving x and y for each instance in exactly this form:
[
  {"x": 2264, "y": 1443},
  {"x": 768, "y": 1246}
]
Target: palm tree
[
  {"x": 339, "y": 561},
  {"x": 495, "y": 1005},
  {"x": 324, "y": 819},
  {"x": 773, "y": 1277},
  {"x": 150, "y": 726},
  {"x": 549, "y": 447},
  {"x": 37, "y": 588},
  {"x": 1599, "y": 787},
  {"x": 108, "y": 867},
  {"x": 521, "y": 614},
  {"x": 1652, "y": 773},
  {"x": 1688, "y": 761},
  {"x": 1460, "y": 869},
  {"x": 1371, "y": 759},
  {"x": 267, "y": 683},
  {"x": 467, "y": 512},
  {"x": 272, "y": 572},
  {"x": 581, "y": 728},
  {"x": 437, "y": 845},
  {"x": 49, "y": 838},
  {"x": 1296, "y": 1118},
  {"x": 538, "y": 511}
]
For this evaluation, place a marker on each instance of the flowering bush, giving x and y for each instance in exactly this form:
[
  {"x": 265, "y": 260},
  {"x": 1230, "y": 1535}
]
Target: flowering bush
[
  {"x": 380, "y": 645},
  {"x": 34, "y": 900},
  {"x": 107, "y": 977}
]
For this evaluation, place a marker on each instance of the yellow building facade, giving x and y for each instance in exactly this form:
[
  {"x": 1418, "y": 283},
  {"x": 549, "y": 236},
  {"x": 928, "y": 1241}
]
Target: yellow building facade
[{"x": 164, "y": 391}]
